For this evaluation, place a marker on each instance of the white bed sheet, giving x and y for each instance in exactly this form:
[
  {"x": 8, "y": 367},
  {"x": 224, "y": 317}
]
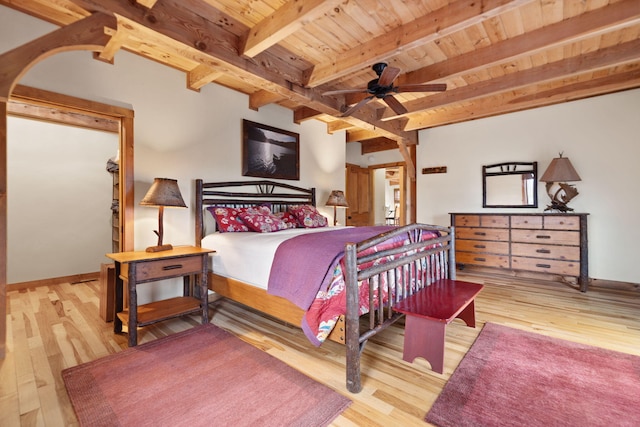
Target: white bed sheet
[{"x": 248, "y": 256}]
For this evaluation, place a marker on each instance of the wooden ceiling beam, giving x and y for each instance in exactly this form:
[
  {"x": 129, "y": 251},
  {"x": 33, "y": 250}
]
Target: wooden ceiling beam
[
  {"x": 283, "y": 22},
  {"x": 588, "y": 62},
  {"x": 444, "y": 21},
  {"x": 564, "y": 69},
  {"x": 530, "y": 97},
  {"x": 305, "y": 113},
  {"x": 359, "y": 135},
  {"x": 221, "y": 47},
  {"x": 202, "y": 75},
  {"x": 378, "y": 144},
  {"x": 589, "y": 24},
  {"x": 147, "y": 3},
  {"x": 338, "y": 125},
  {"x": 263, "y": 97}
]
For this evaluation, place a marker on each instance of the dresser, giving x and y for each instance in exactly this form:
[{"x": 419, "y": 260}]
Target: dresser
[{"x": 548, "y": 243}]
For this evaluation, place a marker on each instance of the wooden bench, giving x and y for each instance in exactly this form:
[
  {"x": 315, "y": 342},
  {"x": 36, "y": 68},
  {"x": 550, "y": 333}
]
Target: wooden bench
[{"x": 428, "y": 312}]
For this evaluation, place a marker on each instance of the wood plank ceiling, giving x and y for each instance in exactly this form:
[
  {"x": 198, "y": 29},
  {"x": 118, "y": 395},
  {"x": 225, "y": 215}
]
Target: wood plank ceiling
[{"x": 495, "y": 56}]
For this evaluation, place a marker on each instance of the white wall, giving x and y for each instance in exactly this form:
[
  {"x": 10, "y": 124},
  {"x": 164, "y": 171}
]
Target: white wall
[
  {"x": 59, "y": 199},
  {"x": 601, "y": 137},
  {"x": 179, "y": 133}
]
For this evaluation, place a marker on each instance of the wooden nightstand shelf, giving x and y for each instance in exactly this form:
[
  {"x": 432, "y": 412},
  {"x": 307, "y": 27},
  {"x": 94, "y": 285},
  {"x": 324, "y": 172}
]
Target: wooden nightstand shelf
[{"x": 142, "y": 267}]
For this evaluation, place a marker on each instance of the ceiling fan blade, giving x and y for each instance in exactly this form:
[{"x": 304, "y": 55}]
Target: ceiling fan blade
[
  {"x": 339, "y": 91},
  {"x": 350, "y": 111},
  {"x": 388, "y": 75},
  {"x": 395, "y": 105},
  {"x": 435, "y": 87}
]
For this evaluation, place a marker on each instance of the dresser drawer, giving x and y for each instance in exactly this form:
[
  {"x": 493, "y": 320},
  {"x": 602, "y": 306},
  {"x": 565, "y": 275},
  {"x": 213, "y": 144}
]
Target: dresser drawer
[
  {"x": 165, "y": 268},
  {"x": 483, "y": 234},
  {"x": 499, "y": 221},
  {"x": 487, "y": 260},
  {"x": 569, "y": 253},
  {"x": 566, "y": 268},
  {"x": 467, "y": 221},
  {"x": 501, "y": 248},
  {"x": 525, "y": 221},
  {"x": 562, "y": 222},
  {"x": 546, "y": 236}
]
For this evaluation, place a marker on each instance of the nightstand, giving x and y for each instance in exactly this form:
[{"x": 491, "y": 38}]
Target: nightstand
[{"x": 143, "y": 267}]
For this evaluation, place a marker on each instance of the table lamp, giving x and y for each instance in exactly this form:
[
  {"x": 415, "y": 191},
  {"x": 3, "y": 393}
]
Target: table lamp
[
  {"x": 163, "y": 192},
  {"x": 560, "y": 171},
  {"x": 336, "y": 199}
]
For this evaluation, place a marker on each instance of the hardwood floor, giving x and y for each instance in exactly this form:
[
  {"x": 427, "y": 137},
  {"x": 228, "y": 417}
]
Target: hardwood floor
[{"x": 54, "y": 327}]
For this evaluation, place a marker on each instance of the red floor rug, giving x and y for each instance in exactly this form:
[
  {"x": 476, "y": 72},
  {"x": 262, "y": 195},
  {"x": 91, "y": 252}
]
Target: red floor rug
[
  {"x": 515, "y": 378},
  {"x": 204, "y": 376}
]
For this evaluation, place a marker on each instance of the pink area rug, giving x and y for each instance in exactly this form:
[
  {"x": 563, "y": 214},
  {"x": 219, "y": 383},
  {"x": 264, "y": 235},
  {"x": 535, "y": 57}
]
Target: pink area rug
[
  {"x": 515, "y": 378},
  {"x": 200, "y": 377}
]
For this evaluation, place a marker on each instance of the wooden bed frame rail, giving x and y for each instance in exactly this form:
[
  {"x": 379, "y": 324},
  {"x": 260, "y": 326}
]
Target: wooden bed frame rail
[{"x": 406, "y": 269}]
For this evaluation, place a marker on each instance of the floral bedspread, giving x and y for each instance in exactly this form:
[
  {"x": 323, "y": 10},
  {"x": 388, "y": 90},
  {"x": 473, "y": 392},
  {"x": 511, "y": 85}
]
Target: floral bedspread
[{"x": 330, "y": 301}]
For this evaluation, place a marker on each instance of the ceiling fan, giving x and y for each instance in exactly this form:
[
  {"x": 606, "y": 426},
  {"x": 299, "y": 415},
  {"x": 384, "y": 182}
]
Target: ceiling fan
[{"x": 383, "y": 88}]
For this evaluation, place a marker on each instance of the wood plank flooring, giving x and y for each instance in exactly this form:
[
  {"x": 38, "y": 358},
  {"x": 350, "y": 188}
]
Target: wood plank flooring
[{"x": 54, "y": 327}]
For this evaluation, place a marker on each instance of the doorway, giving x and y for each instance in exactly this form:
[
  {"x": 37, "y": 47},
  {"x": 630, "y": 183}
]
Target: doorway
[{"x": 388, "y": 194}]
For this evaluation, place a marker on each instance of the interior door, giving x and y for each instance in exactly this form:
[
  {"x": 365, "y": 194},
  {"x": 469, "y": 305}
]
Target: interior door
[{"x": 357, "y": 193}]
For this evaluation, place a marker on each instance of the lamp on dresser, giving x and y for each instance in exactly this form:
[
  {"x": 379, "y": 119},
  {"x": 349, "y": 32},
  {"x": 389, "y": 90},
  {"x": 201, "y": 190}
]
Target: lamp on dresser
[
  {"x": 336, "y": 199},
  {"x": 164, "y": 192},
  {"x": 559, "y": 172}
]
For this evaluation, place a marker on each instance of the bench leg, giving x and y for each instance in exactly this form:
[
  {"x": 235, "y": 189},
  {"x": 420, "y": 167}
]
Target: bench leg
[
  {"x": 424, "y": 338},
  {"x": 468, "y": 315}
]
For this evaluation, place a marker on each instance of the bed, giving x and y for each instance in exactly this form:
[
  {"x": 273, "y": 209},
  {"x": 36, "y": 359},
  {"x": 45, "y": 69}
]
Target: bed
[{"x": 346, "y": 280}]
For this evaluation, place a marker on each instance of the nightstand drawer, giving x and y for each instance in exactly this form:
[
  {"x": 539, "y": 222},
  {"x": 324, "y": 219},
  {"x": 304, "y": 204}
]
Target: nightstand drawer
[
  {"x": 166, "y": 268},
  {"x": 475, "y": 246}
]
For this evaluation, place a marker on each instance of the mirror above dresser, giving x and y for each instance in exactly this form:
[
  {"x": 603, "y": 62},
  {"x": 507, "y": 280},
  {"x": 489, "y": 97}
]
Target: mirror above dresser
[{"x": 510, "y": 185}]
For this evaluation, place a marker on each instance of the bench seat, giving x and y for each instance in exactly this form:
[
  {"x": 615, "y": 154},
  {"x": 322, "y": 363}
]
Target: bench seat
[{"x": 429, "y": 311}]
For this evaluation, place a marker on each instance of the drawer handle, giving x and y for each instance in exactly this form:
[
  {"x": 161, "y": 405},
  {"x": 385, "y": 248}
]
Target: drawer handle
[
  {"x": 480, "y": 233},
  {"x": 543, "y": 237},
  {"x": 172, "y": 267},
  {"x": 479, "y": 246},
  {"x": 543, "y": 265},
  {"x": 543, "y": 251},
  {"x": 480, "y": 259}
]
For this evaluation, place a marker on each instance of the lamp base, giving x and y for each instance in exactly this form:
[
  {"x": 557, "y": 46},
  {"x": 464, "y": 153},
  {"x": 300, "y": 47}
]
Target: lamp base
[
  {"x": 160, "y": 248},
  {"x": 558, "y": 207}
]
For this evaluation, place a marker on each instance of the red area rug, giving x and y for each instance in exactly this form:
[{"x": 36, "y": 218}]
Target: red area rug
[
  {"x": 200, "y": 377},
  {"x": 515, "y": 378}
]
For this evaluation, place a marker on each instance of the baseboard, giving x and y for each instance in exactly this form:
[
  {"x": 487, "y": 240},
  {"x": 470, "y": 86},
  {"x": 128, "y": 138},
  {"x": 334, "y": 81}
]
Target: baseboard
[
  {"x": 74, "y": 278},
  {"x": 599, "y": 283}
]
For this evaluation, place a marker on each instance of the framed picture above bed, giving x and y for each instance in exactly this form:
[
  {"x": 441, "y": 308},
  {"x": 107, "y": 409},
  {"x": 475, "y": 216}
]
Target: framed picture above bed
[{"x": 268, "y": 152}]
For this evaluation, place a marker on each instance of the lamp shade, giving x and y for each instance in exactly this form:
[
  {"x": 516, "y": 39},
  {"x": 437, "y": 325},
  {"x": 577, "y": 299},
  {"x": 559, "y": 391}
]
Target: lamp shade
[
  {"x": 560, "y": 170},
  {"x": 336, "y": 198},
  {"x": 164, "y": 192}
]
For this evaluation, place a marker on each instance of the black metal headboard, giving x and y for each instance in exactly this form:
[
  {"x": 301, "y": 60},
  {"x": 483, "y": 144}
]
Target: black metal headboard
[{"x": 247, "y": 193}]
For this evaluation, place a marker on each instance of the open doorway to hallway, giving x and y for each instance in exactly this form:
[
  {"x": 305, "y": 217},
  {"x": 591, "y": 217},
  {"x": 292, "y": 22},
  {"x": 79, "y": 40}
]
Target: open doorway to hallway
[{"x": 388, "y": 194}]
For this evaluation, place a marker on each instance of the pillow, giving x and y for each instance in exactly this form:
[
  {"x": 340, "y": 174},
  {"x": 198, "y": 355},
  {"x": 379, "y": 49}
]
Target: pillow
[
  {"x": 228, "y": 219},
  {"x": 288, "y": 218},
  {"x": 308, "y": 216},
  {"x": 262, "y": 222}
]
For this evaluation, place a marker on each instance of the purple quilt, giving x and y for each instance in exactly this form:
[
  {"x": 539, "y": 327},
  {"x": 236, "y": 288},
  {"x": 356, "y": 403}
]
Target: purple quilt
[{"x": 304, "y": 264}]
